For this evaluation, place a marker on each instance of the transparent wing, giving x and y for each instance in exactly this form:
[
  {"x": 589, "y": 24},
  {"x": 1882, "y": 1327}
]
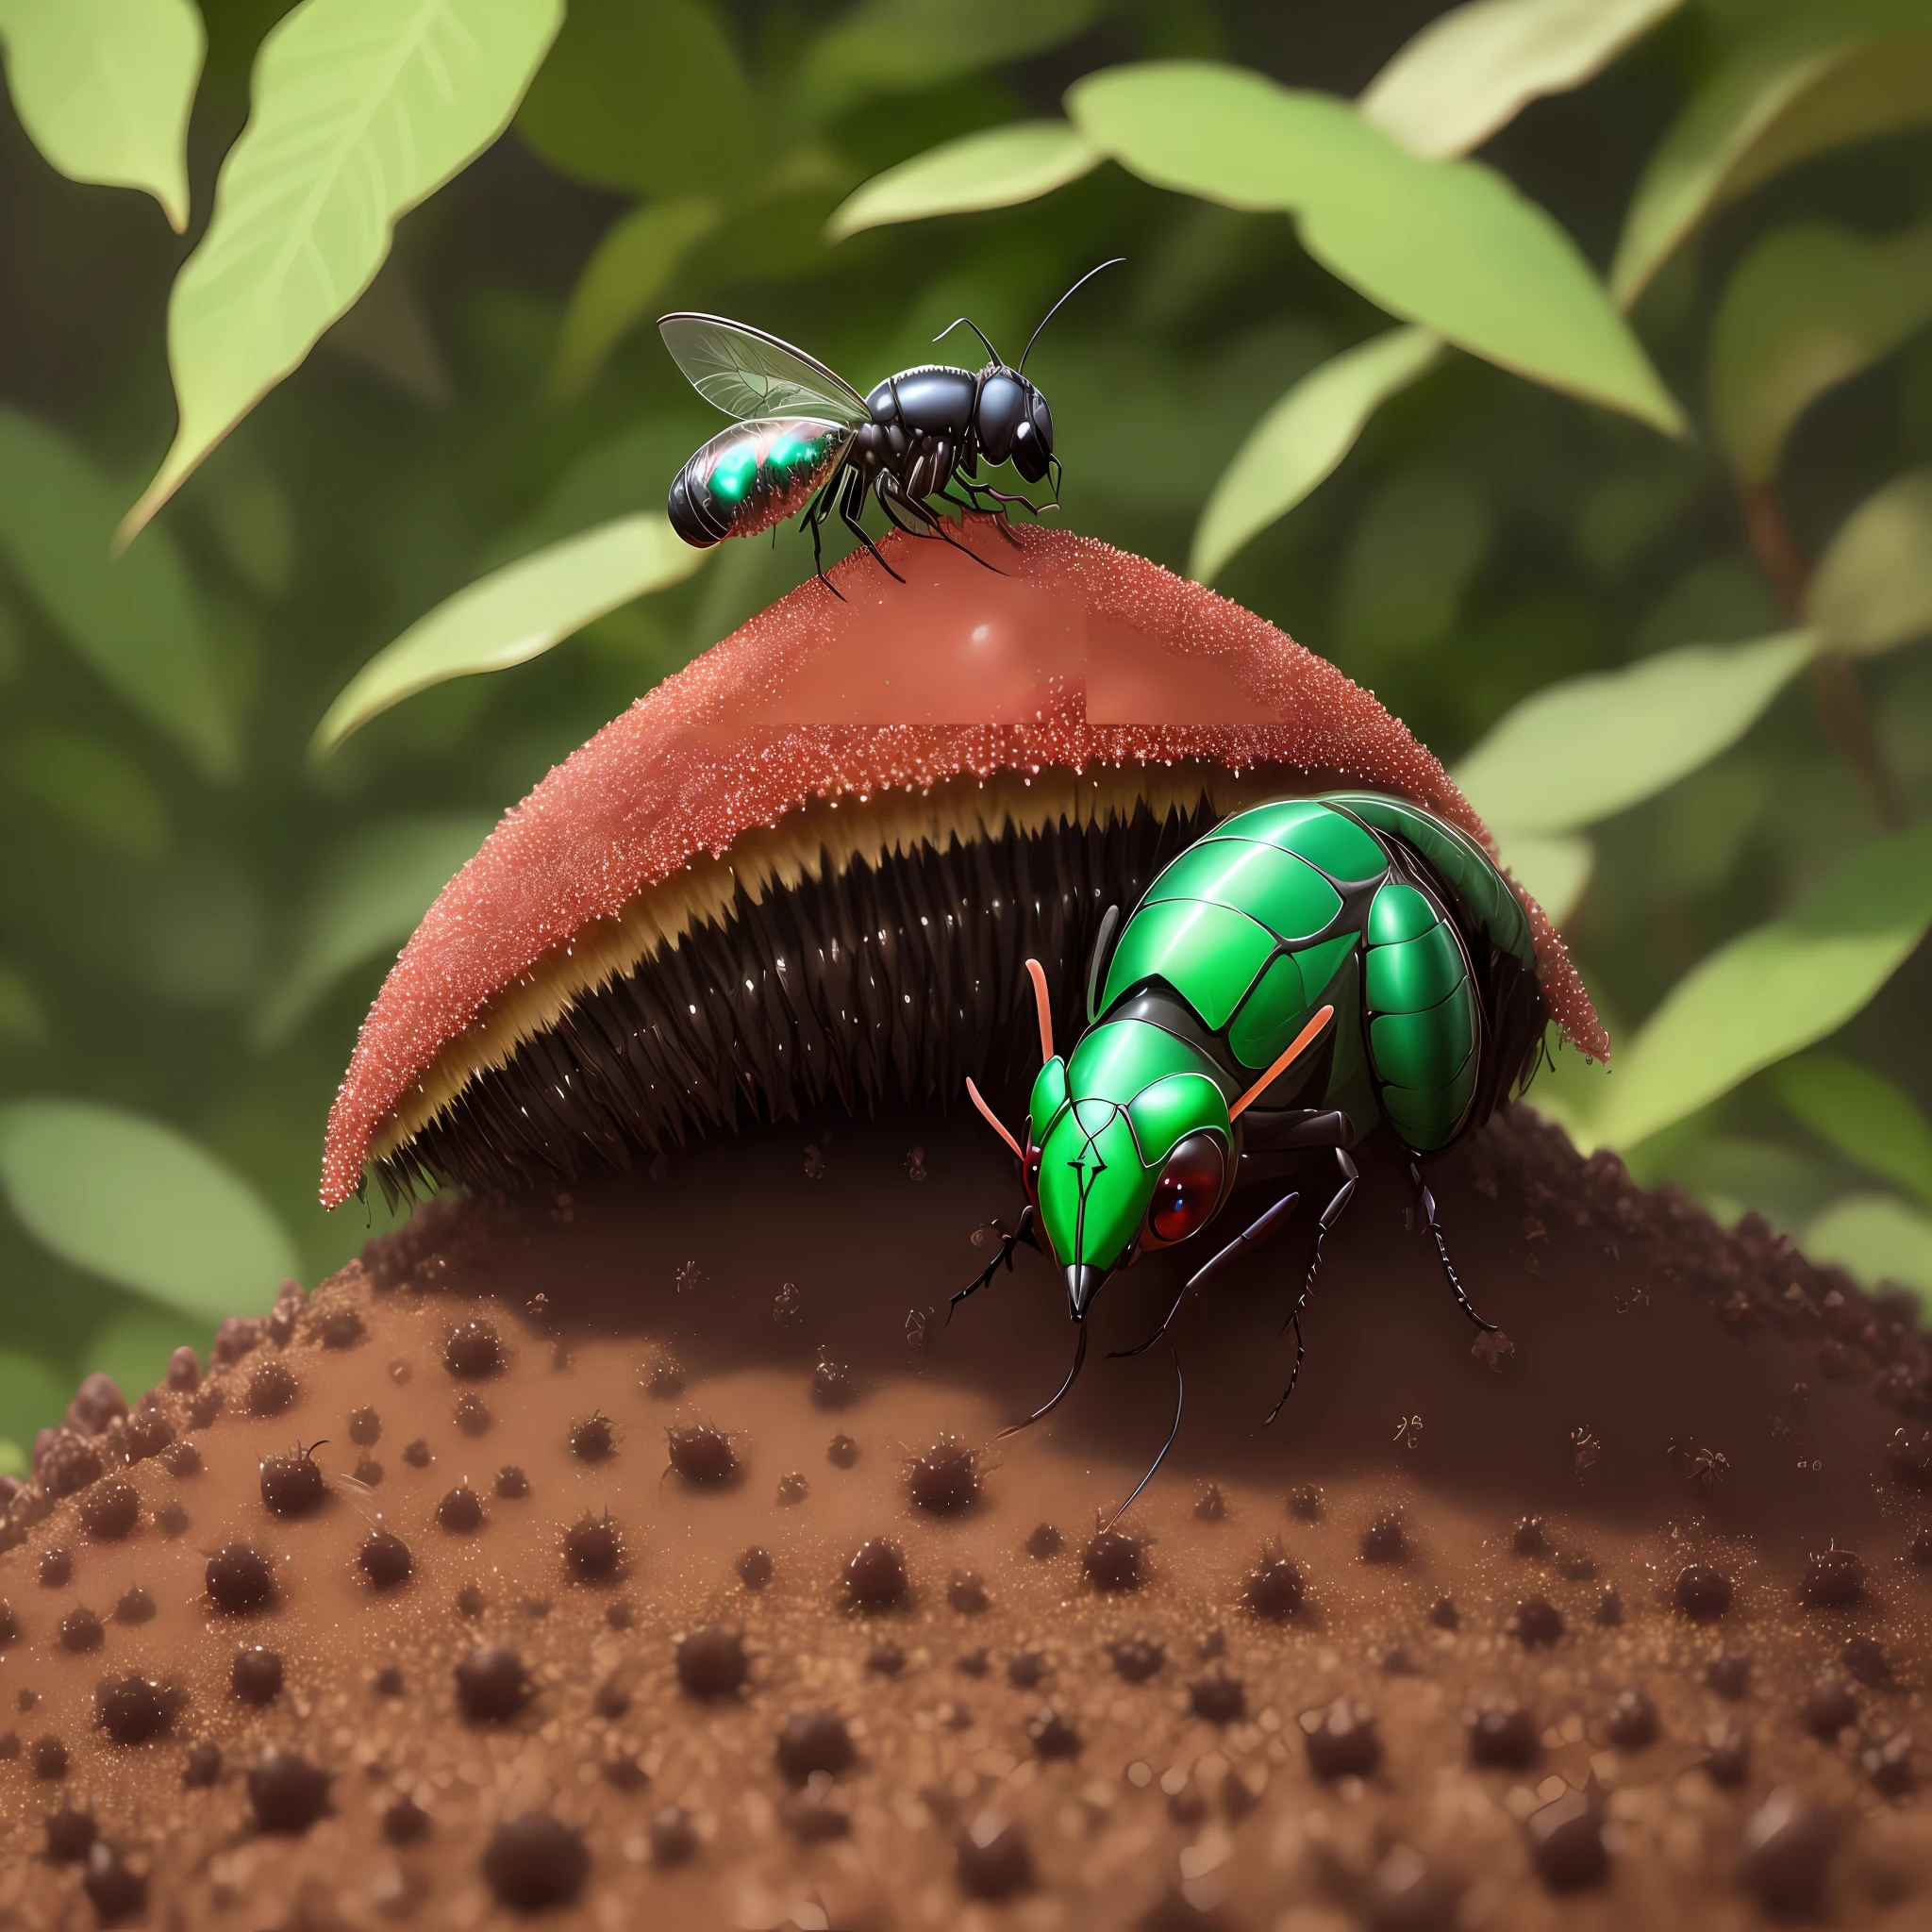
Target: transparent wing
[{"x": 746, "y": 373}]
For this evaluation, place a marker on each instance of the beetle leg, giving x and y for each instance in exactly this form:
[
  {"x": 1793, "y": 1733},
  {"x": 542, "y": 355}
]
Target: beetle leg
[
  {"x": 1021, "y": 1232},
  {"x": 1295, "y": 1322},
  {"x": 1351, "y": 1176},
  {"x": 1429, "y": 1204},
  {"x": 1273, "y": 1217}
]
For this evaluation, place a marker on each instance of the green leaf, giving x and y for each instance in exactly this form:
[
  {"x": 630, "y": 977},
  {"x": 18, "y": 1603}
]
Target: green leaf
[
  {"x": 903, "y": 46},
  {"x": 367, "y": 900},
  {"x": 512, "y": 615},
  {"x": 133, "y": 617},
  {"x": 996, "y": 169},
  {"x": 1807, "y": 309},
  {"x": 1552, "y": 868},
  {"x": 1588, "y": 747},
  {"x": 32, "y": 1396},
  {"x": 1448, "y": 244},
  {"x": 361, "y": 109},
  {"x": 1873, "y": 587},
  {"x": 1876, "y": 1238},
  {"x": 142, "y": 1205},
  {"x": 104, "y": 87},
  {"x": 1473, "y": 69},
  {"x": 1864, "y": 1115},
  {"x": 22, "y": 1023},
  {"x": 90, "y": 786},
  {"x": 1303, "y": 438},
  {"x": 644, "y": 96},
  {"x": 1799, "y": 90},
  {"x": 619, "y": 284},
  {"x": 1774, "y": 990}
]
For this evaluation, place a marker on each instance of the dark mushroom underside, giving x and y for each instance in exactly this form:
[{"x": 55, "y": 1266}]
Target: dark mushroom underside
[{"x": 868, "y": 985}]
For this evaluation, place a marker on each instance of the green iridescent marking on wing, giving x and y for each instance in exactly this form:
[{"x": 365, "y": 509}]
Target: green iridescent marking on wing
[
  {"x": 734, "y": 473},
  {"x": 1207, "y": 953},
  {"x": 1282, "y": 891}
]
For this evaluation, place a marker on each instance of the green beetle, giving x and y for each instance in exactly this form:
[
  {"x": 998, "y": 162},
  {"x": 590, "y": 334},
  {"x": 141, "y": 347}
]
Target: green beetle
[{"x": 1307, "y": 973}]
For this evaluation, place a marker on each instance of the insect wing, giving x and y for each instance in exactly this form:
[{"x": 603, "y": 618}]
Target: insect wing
[{"x": 746, "y": 373}]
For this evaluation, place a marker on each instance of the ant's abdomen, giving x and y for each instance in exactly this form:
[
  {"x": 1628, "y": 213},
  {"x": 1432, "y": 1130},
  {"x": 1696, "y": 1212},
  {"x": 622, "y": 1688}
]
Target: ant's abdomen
[{"x": 751, "y": 476}]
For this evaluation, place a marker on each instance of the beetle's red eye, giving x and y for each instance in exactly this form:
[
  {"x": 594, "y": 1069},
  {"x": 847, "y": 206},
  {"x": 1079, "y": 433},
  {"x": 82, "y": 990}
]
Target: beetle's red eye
[
  {"x": 1030, "y": 1171},
  {"x": 1189, "y": 1190}
]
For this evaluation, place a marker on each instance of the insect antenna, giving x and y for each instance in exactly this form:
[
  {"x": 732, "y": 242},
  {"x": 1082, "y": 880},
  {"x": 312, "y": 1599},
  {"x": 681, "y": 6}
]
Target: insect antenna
[
  {"x": 968, "y": 322},
  {"x": 1180, "y": 1397},
  {"x": 1054, "y": 1402},
  {"x": 1037, "y": 972},
  {"x": 1059, "y": 305}
]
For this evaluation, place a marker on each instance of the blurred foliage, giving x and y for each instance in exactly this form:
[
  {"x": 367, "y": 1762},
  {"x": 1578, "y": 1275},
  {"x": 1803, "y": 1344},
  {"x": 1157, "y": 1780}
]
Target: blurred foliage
[{"x": 1574, "y": 391}]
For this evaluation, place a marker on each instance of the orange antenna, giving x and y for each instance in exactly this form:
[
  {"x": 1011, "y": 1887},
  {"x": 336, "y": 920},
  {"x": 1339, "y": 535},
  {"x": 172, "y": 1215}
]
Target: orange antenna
[
  {"x": 1295, "y": 1048},
  {"x": 1037, "y": 972},
  {"x": 994, "y": 1121}
]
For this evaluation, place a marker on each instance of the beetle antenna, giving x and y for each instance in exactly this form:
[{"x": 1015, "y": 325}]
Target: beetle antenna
[
  {"x": 992, "y": 1119},
  {"x": 969, "y": 322},
  {"x": 1061, "y": 304},
  {"x": 1180, "y": 1396},
  {"x": 1047, "y": 1407},
  {"x": 1294, "y": 1050},
  {"x": 1037, "y": 972}
]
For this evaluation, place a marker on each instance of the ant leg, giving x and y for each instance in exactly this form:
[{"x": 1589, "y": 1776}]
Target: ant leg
[
  {"x": 1023, "y": 1232},
  {"x": 1001, "y": 521},
  {"x": 815, "y": 513},
  {"x": 938, "y": 527},
  {"x": 848, "y": 515},
  {"x": 1428, "y": 1205},
  {"x": 1272, "y": 1218},
  {"x": 919, "y": 530}
]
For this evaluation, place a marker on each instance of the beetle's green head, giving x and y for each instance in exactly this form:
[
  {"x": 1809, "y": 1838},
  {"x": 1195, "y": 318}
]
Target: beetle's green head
[{"x": 1128, "y": 1148}]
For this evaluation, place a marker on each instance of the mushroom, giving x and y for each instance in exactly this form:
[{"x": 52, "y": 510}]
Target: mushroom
[{"x": 943, "y": 777}]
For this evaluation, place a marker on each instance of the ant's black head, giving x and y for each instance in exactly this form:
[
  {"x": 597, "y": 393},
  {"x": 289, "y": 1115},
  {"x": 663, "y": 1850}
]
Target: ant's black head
[
  {"x": 1014, "y": 421},
  {"x": 1011, "y": 416}
]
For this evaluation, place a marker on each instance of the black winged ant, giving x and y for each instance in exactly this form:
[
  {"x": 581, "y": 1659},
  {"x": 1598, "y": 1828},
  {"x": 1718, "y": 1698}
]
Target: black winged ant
[{"x": 805, "y": 439}]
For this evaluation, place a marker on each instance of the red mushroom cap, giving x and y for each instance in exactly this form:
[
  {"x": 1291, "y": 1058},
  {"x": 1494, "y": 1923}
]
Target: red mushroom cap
[{"x": 1068, "y": 658}]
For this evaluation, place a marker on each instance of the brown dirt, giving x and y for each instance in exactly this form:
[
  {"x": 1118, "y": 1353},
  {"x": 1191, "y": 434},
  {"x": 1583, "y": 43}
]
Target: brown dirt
[{"x": 1275, "y": 1773}]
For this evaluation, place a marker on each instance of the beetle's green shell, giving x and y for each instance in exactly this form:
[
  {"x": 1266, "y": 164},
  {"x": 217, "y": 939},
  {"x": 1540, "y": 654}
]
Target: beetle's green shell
[{"x": 1308, "y": 902}]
